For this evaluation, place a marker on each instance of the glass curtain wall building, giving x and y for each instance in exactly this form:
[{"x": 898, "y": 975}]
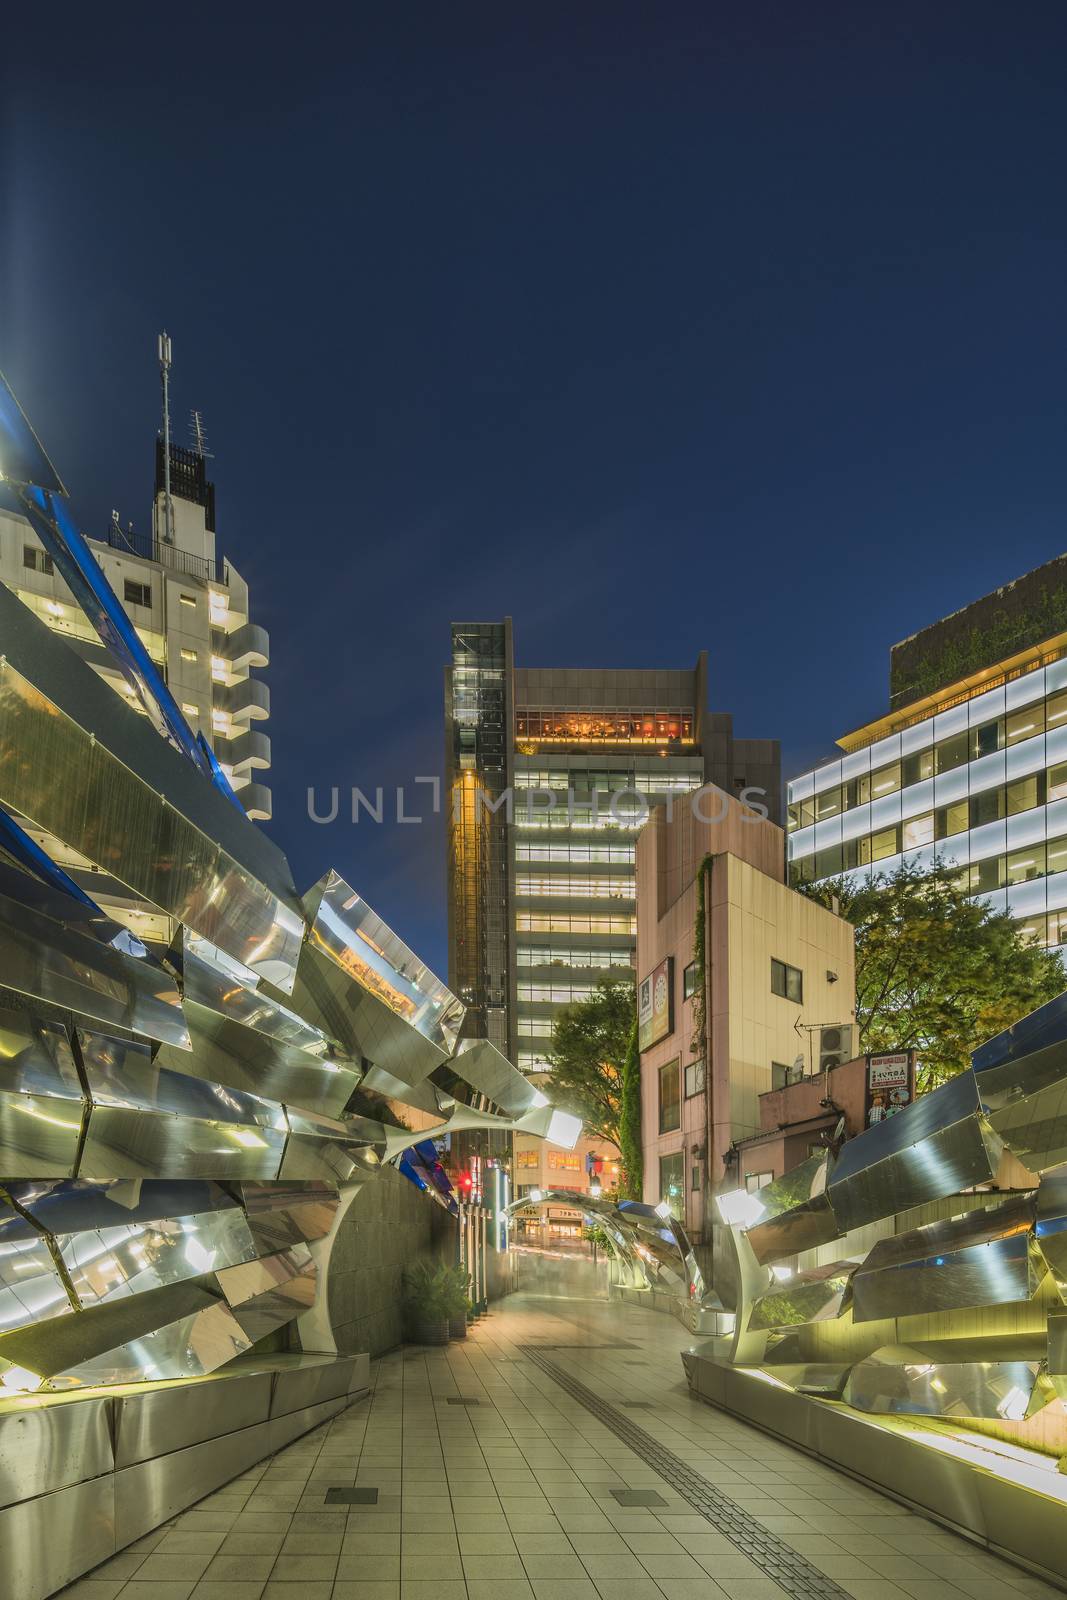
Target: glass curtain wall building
[
  {"x": 542, "y": 890},
  {"x": 969, "y": 767}
]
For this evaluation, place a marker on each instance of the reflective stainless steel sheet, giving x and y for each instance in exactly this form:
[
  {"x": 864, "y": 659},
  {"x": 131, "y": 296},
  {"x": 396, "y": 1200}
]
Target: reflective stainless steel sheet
[
  {"x": 146, "y": 1119},
  {"x": 48, "y": 950},
  {"x": 274, "y": 1290},
  {"x": 482, "y": 1065},
  {"x": 287, "y": 1213},
  {"x": 320, "y": 1149},
  {"x": 936, "y": 1146},
  {"x": 47, "y": 1443},
  {"x": 41, "y": 1102},
  {"x": 48, "y": 1542},
  {"x": 97, "y": 781},
  {"x": 817, "y": 1295},
  {"x": 891, "y": 1383},
  {"x": 986, "y": 1257},
  {"x": 796, "y": 1212}
]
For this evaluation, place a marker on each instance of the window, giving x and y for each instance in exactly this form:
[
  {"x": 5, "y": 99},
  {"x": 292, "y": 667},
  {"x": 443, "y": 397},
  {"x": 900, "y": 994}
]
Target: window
[
  {"x": 1025, "y": 793},
  {"x": 527, "y": 1158},
  {"x": 37, "y": 560},
  {"x": 787, "y": 981},
  {"x": 670, "y": 1097},
  {"x": 671, "y": 1179},
  {"x": 886, "y": 781},
  {"x": 916, "y": 767},
  {"x": 953, "y": 753},
  {"x": 136, "y": 594},
  {"x": 754, "y": 1181},
  {"x": 1055, "y": 710},
  {"x": 827, "y": 804},
  {"x": 879, "y": 845},
  {"x": 1025, "y": 865},
  {"x": 1057, "y": 782},
  {"x": 919, "y": 830},
  {"x": 187, "y": 599},
  {"x": 1024, "y": 724},
  {"x": 986, "y": 739},
  {"x": 695, "y": 1078},
  {"x": 190, "y": 710},
  {"x": 695, "y": 1179},
  {"x": 188, "y": 655},
  {"x": 1057, "y": 855},
  {"x": 612, "y": 886},
  {"x": 987, "y": 807},
  {"x": 563, "y": 1161},
  {"x": 690, "y": 980},
  {"x": 952, "y": 819},
  {"x": 987, "y": 875}
]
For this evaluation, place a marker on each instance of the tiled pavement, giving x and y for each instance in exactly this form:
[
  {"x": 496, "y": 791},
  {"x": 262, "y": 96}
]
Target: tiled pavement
[{"x": 511, "y": 1499}]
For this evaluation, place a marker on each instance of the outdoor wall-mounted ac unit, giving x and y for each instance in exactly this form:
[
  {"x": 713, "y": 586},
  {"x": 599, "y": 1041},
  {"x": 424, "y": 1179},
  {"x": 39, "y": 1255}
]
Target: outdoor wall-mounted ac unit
[{"x": 835, "y": 1046}]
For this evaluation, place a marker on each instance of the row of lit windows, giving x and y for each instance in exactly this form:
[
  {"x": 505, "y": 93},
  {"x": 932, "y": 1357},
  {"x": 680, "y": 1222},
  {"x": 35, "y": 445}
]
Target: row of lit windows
[
  {"x": 1024, "y": 865},
  {"x": 534, "y": 1027},
  {"x": 944, "y": 822},
  {"x": 67, "y": 618},
  {"x": 531, "y": 1061},
  {"x": 573, "y": 922},
  {"x": 580, "y": 819},
  {"x": 569, "y": 956},
  {"x": 555, "y": 993},
  {"x": 619, "y": 855},
  {"x": 612, "y": 886},
  {"x": 957, "y": 751},
  {"x": 614, "y": 727},
  {"x": 609, "y": 783}
]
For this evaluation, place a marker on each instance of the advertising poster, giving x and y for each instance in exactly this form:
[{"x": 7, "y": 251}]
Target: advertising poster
[
  {"x": 655, "y": 1005},
  {"x": 890, "y": 1085}
]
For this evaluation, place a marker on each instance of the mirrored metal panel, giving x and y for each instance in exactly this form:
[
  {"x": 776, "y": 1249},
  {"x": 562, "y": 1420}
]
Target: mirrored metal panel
[
  {"x": 271, "y": 1291},
  {"x": 938, "y": 1145},
  {"x": 891, "y": 1383},
  {"x": 41, "y": 1101},
  {"x": 987, "y": 1257},
  {"x": 817, "y": 1295}
]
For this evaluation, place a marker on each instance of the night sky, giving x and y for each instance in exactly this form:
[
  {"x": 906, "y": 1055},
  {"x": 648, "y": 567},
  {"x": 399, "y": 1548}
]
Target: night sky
[{"x": 657, "y": 327}]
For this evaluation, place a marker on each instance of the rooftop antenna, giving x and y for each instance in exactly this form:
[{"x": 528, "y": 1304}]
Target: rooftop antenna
[
  {"x": 199, "y": 437},
  {"x": 164, "y": 374}
]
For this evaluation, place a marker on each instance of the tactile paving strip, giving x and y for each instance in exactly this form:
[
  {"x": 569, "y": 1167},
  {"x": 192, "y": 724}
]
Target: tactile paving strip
[{"x": 786, "y": 1566}]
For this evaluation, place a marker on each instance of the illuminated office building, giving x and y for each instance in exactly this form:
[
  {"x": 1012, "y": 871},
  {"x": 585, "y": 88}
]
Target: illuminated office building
[
  {"x": 968, "y": 766},
  {"x": 541, "y": 890}
]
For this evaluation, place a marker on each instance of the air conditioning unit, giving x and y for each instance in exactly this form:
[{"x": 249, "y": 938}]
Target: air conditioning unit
[{"x": 835, "y": 1046}]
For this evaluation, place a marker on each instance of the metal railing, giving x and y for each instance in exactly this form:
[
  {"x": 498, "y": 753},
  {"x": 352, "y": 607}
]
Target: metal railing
[{"x": 167, "y": 555}]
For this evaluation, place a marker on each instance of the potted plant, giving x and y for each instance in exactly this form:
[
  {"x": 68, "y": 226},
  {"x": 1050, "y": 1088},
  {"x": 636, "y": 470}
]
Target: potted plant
[{"x": 428, "y": 1298}]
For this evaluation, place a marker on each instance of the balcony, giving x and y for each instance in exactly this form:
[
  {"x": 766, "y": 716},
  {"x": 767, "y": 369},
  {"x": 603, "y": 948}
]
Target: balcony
[
  {"x": 167, "y": 555},
  {"x": 243, "y": 753},
  {"x": 249, "y": 699},
  {"x": 248, "y": 646}
]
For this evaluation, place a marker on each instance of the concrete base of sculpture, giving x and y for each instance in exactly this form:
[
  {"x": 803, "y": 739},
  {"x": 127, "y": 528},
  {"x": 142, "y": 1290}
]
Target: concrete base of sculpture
[
  {"x": 938, "y": 1470},
  {"x": 84, "y": 1474}
]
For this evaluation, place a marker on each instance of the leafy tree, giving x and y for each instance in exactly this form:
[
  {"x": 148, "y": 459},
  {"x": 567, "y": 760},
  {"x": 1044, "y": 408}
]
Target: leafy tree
[
  {"x": 589, "y": 1041},
  {"x": 633, "y": 1161},
  {"x": 936, "y": 971}
]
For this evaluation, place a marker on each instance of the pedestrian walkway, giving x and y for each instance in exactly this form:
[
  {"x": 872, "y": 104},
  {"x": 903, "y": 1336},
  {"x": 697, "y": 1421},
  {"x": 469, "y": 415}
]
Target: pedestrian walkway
[{"x": 507, "y": 1468}]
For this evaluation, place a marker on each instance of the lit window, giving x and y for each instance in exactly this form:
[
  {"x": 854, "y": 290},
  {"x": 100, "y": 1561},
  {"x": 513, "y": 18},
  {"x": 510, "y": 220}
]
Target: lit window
[
  {"x": 220, "y": 721},
  {"x": 220, "y": 669},
  {"x": 919, "y": 830},
  {"x": 190, "y": 711},
  {"x": 187, "y": 599},
  {"x": 218, "y": 606},
  {"x": 695, "y": 1078},
  {"x": 188, "y": 655}
]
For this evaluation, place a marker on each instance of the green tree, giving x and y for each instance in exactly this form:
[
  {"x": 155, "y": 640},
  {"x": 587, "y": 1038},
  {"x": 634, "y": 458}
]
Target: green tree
[
  {"x": 633, "y": 1161},
  {"x": 936, "y": 971},
  {"x": 589, "y": 1040}
]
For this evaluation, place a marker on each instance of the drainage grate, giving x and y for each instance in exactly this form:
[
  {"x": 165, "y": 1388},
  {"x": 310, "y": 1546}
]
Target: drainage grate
[
  {"x": 786, "y": 1566},
  {"x": 461, "y": 1400},
  {"x": 638, "y": 1497},
  {"x": 351, "y": 1497},
  {"x": 638, "y": 1405}
]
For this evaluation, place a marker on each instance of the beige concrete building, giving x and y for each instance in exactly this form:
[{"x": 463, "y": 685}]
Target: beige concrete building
[{"x": 771, "y": 999}]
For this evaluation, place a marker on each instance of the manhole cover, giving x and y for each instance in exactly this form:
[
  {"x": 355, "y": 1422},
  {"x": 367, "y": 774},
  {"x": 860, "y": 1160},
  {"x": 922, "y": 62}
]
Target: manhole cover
[
  {"x": 461, "y": 1400},
  {"x": 351, "y": 1497},
  {"x": 638, "y": 1497}
]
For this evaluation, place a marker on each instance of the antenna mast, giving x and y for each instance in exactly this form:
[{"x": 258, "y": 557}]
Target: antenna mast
[
  {"x": 198, "y": 436},
  {"x": 164, "y": 373}
]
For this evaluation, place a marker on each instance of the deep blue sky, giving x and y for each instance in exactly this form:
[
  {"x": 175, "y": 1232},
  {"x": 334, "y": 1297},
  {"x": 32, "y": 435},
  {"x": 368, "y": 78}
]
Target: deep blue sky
[{"x": 659, "y": 327}]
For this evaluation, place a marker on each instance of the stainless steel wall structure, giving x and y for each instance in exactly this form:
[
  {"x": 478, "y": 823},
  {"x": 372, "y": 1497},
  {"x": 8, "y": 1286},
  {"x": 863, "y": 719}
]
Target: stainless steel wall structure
[
  {"x": 178, "y": 1138},
  {"x": 896, "y": 1285}
]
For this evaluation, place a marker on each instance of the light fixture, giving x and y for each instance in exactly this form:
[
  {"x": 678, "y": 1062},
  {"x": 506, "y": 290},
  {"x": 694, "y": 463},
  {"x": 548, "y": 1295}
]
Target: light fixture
[
  {"x": 663, "y": 1210},
  {"x": 595, "y": 1191},
  {"x": 782, "y": 1272}
]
